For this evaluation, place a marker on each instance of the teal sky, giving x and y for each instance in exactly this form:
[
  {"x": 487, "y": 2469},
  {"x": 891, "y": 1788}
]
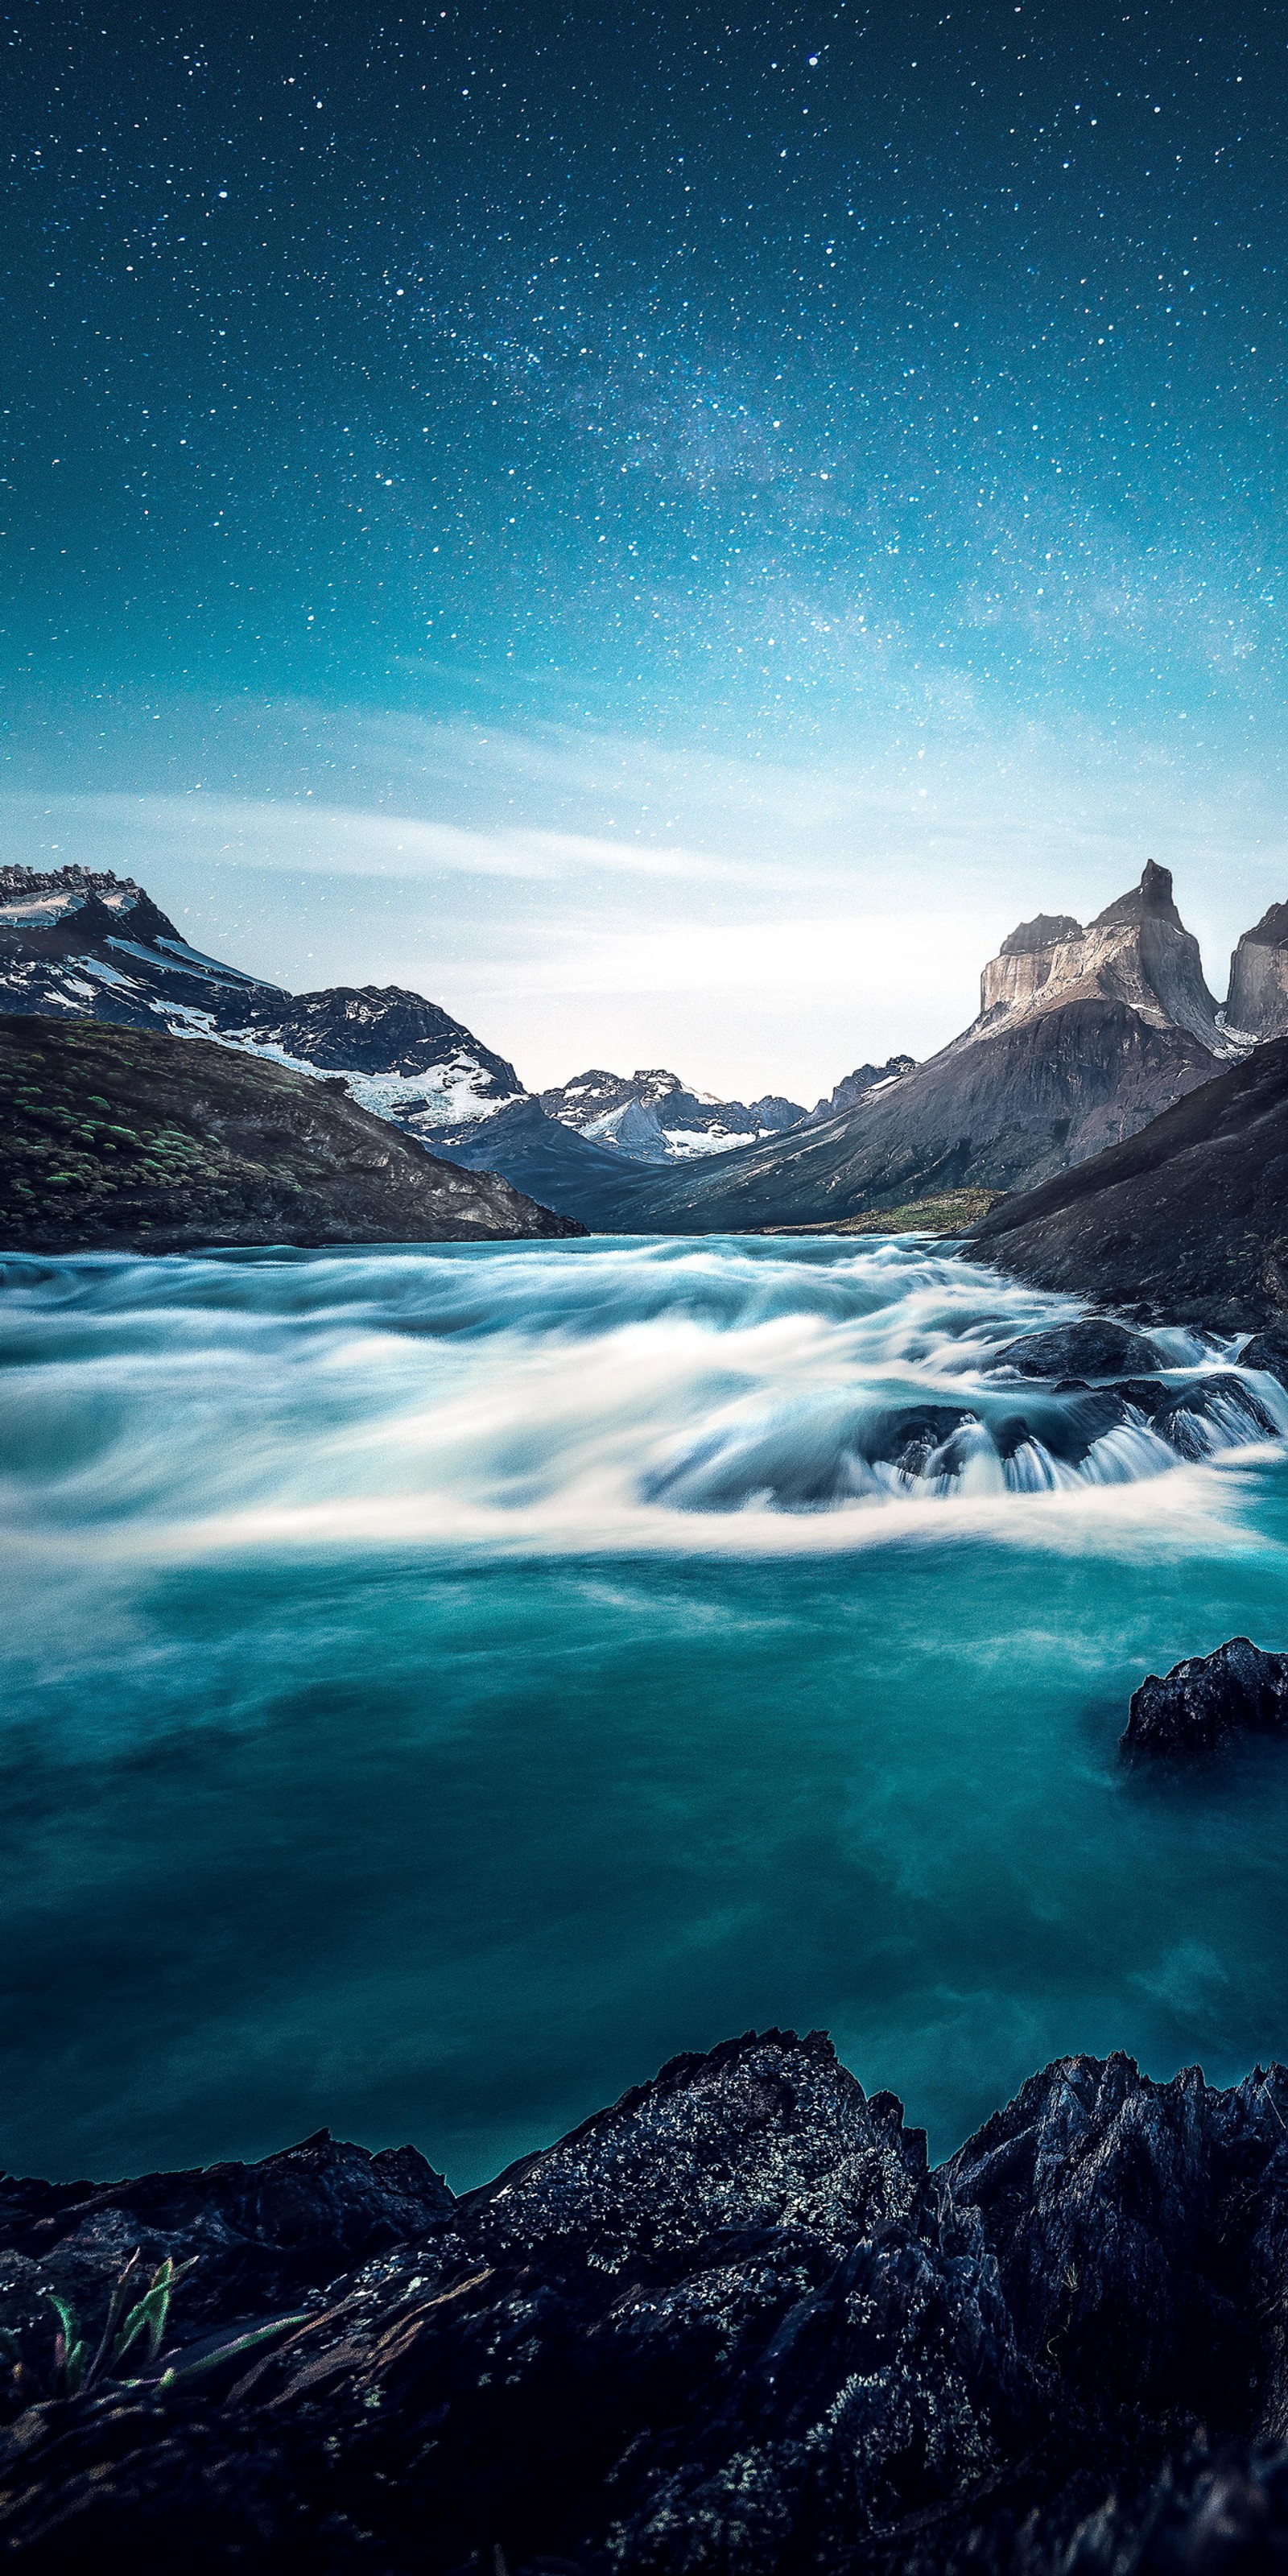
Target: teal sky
[{"x": 667, "y": 531}]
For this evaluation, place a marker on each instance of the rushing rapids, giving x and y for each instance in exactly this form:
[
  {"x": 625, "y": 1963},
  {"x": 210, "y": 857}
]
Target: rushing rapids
[{"x": 592, "y": 1397}]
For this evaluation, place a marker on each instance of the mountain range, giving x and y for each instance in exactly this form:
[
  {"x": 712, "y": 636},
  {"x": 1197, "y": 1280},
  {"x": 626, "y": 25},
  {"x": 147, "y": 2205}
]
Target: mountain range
[
  {"x": 81, "y": 943},
  {"x": 653, "y": 1117},
  {"x": 1084, "y": 1035},
  {"x": 84, "y": 944}
]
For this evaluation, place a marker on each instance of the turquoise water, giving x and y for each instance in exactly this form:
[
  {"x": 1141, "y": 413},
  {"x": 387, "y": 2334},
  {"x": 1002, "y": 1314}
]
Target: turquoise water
[{"x": 439, "y": 1685}]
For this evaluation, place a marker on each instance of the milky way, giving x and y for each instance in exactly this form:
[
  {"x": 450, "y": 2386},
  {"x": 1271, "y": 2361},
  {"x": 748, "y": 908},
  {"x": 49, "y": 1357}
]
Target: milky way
[{"x": 654, "y": 347}]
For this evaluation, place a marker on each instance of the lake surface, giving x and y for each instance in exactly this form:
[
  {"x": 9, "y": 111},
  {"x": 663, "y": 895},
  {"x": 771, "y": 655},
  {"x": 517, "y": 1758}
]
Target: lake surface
[{"x": 439, "y": 1685}]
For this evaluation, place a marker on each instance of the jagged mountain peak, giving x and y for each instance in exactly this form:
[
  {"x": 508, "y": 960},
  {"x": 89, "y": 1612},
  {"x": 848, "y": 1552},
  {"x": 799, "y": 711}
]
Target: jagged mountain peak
[
  {"x": 1137, "y": 951},
  {"x": 656, "y": 1080},
  {"x": 862, "y": 1083},
  {"x": 1272, "y": 929},
  {"x": 593, "y": 1093},
  {"x": 17, "y": 881},
  {"x": 378, "y": 1029},
  {"x": 1151, "y": 900},
  {"x": 79, "y": 904}
]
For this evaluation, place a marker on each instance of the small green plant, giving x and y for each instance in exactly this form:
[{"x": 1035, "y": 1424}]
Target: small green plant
[
  {"x": 75, "y": 2366},
  {"x": 133, "y": 2319}
]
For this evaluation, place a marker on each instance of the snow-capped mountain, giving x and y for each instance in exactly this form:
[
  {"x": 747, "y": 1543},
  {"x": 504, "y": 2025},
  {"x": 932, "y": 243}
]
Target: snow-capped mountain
[
  {"x": 80, "y": 944},
  {"x": 653, "y": 1118},
  {"x": 398, "y": 1054}
]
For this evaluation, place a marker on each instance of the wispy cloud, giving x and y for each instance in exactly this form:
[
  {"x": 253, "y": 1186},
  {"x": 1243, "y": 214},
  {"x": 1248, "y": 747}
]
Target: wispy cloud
[{"x": 331, "y": 840}]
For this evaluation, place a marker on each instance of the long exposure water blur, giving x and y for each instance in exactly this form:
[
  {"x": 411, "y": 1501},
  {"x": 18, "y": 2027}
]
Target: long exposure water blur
[{"x": 440, "y": 1684}]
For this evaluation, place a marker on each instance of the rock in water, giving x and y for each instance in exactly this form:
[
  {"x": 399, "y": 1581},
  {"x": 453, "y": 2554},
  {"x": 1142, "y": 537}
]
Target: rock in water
[
  {"x": 1268, "y": 1351},
  {"x": 1093, "y": 1347},
  {"x": 1210, "y": 1413},
  {"x": 1207, "y": 1700}
]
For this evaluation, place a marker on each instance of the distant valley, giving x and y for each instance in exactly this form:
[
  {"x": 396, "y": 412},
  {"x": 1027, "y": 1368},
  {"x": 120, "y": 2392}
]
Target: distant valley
[{"x": 1084, "y": 1036}]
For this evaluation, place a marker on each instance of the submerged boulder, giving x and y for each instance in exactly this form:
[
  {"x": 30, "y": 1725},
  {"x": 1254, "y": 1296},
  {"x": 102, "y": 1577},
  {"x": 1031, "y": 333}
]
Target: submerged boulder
[
  {"x": 1218, "y": 1410},
  {"x": 1092, "y": 1347},
  {"x": 910, "y": 1438},
  {"x": 1207, "y": 1700},
  {"x": 1268, "y": 1351}
]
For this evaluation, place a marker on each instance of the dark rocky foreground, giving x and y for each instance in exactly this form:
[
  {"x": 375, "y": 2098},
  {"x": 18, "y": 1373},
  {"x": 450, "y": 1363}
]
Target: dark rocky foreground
[
  {"x": 732, "y": 2324},
  {"x": 120, "y": 1139},
  {"x": 1188, "y": 1220}
]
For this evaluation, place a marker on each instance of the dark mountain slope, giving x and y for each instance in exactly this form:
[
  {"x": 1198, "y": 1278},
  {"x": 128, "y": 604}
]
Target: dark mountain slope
[
  {"x": 124, "y": 1138},
  {"x": 550, "y": 1161},
  {"x": 1047, "y": 1090},
  {"x": 734, "y": 2323},
  {"x": 1188, "y": 1221}
]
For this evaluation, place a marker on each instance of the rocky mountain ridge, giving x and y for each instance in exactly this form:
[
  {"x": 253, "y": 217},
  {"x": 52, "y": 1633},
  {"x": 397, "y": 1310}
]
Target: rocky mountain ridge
[
  {"x": 1257, "y": 1002},
  {"x": 1137, "y": 951},
  {"x": 124, "y": 1139},
  {"x": 735, "y": 2321}
]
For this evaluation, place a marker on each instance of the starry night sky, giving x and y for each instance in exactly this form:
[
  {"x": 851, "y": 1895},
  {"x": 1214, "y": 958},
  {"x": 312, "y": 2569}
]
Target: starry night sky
[{"x": 666, "y": 528}]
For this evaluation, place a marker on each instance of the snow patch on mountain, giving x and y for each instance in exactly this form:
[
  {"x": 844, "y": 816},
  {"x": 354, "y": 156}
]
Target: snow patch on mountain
[
  {"x": 654, "y": 1118},
  {"x": 63, "y": 953}
]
